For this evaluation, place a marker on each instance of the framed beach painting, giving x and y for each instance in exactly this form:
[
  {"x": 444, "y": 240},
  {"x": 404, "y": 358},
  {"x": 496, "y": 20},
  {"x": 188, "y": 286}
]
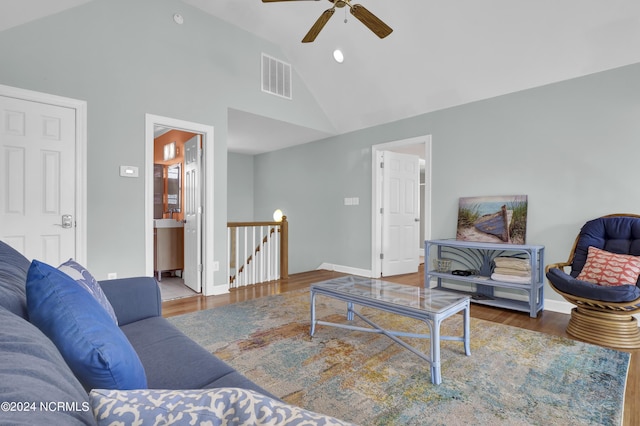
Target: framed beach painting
[{"x": 493, "y": 219}]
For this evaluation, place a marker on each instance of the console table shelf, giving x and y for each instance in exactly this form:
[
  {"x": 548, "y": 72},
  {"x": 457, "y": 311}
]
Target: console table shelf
[{"x": 468, "y": 255}]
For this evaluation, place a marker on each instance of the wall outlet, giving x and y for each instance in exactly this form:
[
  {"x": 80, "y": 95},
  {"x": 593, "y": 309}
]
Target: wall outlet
[
  {"x": 112, "y": 275},
  {"x": 216, "y": 266}
]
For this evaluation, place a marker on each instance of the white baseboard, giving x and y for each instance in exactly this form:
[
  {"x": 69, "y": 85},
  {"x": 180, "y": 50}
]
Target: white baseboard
[
  {"x": 346, "y": 269},
  {"x": 558, "y": 306}
]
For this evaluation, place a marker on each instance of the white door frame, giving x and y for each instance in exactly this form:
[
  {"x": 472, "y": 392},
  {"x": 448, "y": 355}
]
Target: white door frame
[
  {"x": 80, "y": 108},
  {"x": 206, "y": 191},
  {"x": 376, "y": 198}
]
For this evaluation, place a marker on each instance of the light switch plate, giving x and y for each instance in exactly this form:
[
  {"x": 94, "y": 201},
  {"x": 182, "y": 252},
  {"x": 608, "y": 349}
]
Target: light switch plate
[
  {"x": 352, "y": 201},
  {"x": 128, "y": 171}
]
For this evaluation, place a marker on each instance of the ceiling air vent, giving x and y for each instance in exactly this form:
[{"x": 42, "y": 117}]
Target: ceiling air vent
[{"x": 276, "y": 77}]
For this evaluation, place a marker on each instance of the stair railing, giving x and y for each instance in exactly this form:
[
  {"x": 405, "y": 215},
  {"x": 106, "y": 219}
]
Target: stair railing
[{"x": 257, "y": 251}]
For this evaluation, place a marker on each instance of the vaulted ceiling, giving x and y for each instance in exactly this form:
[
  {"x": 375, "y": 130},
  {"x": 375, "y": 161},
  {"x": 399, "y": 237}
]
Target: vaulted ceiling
[{"x": 442, "y": 53}]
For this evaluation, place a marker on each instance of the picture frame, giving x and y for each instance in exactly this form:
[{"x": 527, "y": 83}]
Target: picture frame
[{"x": 493, "y": 219}]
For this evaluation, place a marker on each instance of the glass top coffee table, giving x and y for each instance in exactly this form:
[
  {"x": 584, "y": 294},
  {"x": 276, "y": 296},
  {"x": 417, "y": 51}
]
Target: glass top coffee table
[{"x": 429, "y": 305}]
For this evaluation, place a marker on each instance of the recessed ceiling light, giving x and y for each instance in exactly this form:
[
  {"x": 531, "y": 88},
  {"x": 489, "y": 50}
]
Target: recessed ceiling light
[{"x": 338, "y": 56}]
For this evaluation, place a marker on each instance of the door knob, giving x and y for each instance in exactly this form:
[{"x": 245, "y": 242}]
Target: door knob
[{"x": 67, "y": 221}]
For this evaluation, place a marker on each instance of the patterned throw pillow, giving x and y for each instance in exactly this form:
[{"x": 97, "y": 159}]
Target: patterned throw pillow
[
  {"x": 610, "y": 269},
  {"x": 80, "y": 274},
  {"x": 221, "y": 406}
]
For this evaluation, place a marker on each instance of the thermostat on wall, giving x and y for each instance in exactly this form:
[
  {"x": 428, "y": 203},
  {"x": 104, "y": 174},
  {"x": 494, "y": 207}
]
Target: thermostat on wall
[{"x": 128, "y": 171}]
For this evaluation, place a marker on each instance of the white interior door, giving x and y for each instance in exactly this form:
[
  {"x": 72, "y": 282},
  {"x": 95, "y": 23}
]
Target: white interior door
[
  {"x": 192, "y": 274},
  {"x": 400, "y": 213},
  {"x": 37, "y": 179}
]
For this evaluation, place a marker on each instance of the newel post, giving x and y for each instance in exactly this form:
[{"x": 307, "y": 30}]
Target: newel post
[{"x": 284, "y": 248}]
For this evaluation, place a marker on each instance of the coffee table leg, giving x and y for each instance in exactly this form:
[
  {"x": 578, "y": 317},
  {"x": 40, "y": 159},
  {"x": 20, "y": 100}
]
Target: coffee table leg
[
  {"x": 467, "y": 332},
  {"x": 349, "y": 311},
  {"x": 313, "y": 312},
  {"x": 436, "y": 377}
]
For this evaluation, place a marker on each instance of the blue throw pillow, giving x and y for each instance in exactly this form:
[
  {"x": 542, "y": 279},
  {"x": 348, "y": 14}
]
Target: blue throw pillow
[
  {"x": 95, "y": 349},
  {"x": 81, "y": 276}
]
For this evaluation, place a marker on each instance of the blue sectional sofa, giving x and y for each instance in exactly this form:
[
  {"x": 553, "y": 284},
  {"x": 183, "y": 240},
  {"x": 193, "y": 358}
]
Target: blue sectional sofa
[{"x": 40, "y": 385}]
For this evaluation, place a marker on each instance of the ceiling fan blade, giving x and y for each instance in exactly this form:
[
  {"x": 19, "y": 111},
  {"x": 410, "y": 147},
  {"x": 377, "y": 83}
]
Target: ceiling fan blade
[
  {"x": 372, "y": 22},
  {"x": 317, "y": 27}
]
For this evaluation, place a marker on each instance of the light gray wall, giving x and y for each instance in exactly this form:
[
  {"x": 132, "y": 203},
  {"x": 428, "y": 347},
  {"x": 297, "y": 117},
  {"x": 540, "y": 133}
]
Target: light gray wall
[
  {"x": 572, "y": 147},
  {"x": 240, "y": 188},
  {"x": 127, "y": 58},
  {"x": 309, "y": 183}
]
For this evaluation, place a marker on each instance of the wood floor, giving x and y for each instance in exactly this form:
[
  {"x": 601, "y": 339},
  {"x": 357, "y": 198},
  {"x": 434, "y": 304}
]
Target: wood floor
[{"x": 547, "y": 322}]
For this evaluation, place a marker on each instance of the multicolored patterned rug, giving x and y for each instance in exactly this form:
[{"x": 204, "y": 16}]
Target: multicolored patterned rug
[{"x": 513, "y": 376}]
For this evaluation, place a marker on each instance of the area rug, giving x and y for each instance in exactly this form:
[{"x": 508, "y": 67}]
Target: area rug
[{"x": 513, "y": 376}]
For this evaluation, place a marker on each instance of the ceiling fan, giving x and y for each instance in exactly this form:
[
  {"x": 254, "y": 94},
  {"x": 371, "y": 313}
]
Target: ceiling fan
[{"x": 359, "y": 11}]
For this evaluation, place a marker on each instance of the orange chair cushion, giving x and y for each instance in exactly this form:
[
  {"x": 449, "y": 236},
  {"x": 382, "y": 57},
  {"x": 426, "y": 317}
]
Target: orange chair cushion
[{"x": 610, "y": 269}]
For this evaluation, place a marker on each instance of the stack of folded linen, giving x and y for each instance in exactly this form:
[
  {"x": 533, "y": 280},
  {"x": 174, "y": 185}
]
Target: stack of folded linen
[{"x": 511, "y": 269}]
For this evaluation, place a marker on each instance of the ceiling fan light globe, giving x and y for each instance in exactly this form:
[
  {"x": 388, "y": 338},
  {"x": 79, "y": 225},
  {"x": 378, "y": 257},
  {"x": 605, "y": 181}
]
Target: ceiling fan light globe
[{"x": 338, "y": 56}]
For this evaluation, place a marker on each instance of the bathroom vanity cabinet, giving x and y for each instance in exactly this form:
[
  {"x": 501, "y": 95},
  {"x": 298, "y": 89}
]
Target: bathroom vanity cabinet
[{"x": 168, "y": 253}]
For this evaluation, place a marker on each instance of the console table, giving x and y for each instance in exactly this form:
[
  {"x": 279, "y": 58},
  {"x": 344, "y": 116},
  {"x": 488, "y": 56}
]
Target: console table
[{"x": 468, "y": 255}]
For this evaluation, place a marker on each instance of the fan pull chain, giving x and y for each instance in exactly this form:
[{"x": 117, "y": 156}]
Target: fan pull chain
[{"x": 345, "y": 15}]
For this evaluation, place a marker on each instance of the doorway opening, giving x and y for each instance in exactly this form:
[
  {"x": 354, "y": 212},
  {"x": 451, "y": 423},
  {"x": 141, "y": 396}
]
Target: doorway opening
[
  {"x": 421, "y": 148},
  {"x": 170, "y": 205},
  {"x": 178, "y": 235}
]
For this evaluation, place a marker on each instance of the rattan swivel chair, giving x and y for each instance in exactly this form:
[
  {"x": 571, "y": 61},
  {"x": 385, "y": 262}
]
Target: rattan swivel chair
[{"x": 603, "y": 312}]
